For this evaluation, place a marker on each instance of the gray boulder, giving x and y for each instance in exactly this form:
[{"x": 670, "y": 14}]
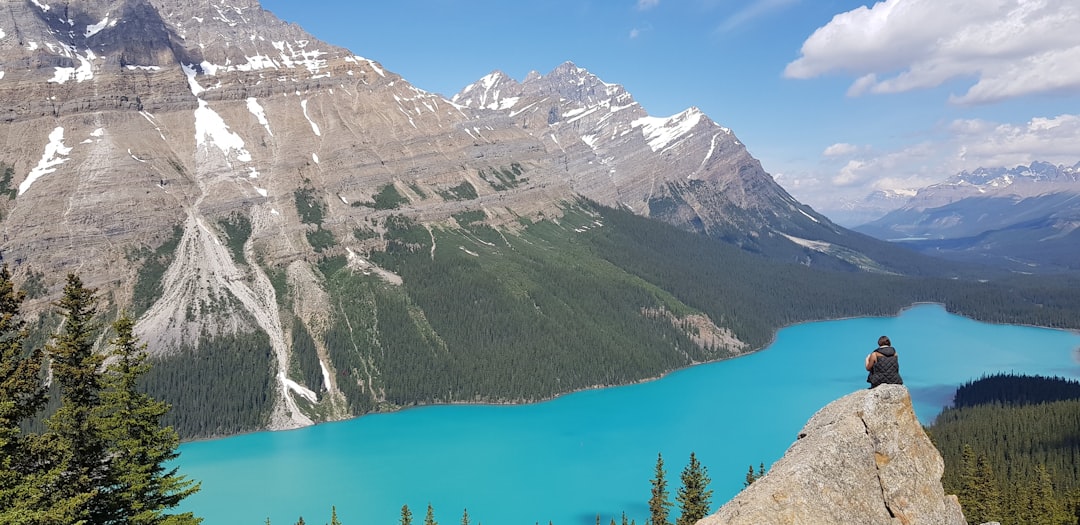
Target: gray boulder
[{"x": 863, "y": 459}]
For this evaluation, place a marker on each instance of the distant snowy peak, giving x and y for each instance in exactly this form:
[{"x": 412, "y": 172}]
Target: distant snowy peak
[{"x": 990, "y": 179}]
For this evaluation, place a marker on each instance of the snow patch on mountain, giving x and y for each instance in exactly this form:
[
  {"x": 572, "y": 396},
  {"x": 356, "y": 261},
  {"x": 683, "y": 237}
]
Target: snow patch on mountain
[
  {"x": 314, "y": 126},
  {"x": 209, "y": 126},
  {"x": 660, "y": 132},
  {"x": 260, "y": 114},
  {"x": 94, "y": 29},
  {"x": 55, "y": 155}
]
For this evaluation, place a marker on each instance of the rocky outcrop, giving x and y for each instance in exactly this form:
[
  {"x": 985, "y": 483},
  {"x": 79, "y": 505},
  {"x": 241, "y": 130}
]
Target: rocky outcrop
[{"x": 862, "y": 459}]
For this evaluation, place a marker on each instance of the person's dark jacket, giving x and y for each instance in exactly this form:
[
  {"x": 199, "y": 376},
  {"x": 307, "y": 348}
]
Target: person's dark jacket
[{"x": 885, "y": 368}]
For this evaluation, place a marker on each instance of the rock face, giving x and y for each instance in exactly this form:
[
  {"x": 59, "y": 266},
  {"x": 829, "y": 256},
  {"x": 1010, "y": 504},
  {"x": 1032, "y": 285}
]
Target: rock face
[
  {"x": 863, "y": 459},
  {"x": 195, "y": 161}
]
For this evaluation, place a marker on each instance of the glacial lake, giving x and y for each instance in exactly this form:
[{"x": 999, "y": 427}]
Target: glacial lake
[{"x": 593, "y": 452}]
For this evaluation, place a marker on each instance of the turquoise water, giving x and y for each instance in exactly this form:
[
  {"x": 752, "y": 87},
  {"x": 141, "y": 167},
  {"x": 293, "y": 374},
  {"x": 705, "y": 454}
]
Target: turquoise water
[{"x": 593, "y": 452}]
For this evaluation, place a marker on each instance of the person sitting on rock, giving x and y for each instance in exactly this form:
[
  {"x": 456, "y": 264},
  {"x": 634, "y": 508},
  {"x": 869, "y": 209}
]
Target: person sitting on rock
[{"x": 883, "y": 365}]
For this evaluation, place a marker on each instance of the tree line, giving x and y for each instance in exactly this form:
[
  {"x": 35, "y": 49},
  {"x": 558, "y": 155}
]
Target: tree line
[
  {"x": 103, "y": 456},
  {"x": 1011, "y": 446}
]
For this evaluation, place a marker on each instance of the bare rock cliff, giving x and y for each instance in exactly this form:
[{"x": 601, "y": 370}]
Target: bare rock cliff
[{"x": 863, "y": 459}]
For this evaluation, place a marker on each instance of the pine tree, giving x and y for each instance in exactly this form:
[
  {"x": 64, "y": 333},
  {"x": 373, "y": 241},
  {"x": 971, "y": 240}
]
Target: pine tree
[
  {"x": 694, "y": 495},
  {"x": 333, "y": 516},
  {"x": 659, "y": 504},
  {"x": 22, "y": 396},
  {"x": 143, "y": 488},
  {"x": 406, "y": 515},
  {"x": 967, "y": 492},
  {"x": 750, "y": 477},
  {"x": 1046, "y": 508},
  {"x": 76, "y": 434},
  {"x": 465, "y": 517},
  {"x": 429, "y": 518},
  {"x": 987, "y": 496},
  {"x": 300, "y": 521}
]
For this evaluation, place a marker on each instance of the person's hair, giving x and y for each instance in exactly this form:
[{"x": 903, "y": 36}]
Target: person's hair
[{"x": 884, "y": 341}]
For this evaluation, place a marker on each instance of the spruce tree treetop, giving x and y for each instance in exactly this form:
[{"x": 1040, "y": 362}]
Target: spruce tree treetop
[
  {"x": 659, "y": 504},
  {"x": 694, "y": 495}
]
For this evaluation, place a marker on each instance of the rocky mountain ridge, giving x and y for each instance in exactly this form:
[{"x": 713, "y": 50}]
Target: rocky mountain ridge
[{"x": 208, "y": 167}]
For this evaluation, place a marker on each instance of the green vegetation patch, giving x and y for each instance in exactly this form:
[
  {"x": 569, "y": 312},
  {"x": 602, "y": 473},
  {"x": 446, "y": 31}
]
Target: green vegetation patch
[
  {"x": 148, "y": 287},
  {"x": 417, "y": 190},
  {"x": 505, "y": 178},
  {"x": 5, "y": 181},
  {"x": 237, "y": 228},
  {"x": 305, "y": 359},
  {"x": 363, "y": 233},
  {"x": 466, "y": 218},
  {"x": 388, "y": 198},
  {"x": 320, "y": 239},
  {"x": 461, "y": 192},
  {"x": 309, "y": 206}
]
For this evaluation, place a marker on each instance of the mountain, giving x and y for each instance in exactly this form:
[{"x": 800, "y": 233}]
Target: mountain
[
  {"x": 303, "y": 235},
  {"x": 685, "y": 169},
  {"x": 863, "y": 458},
  {"x": 1023, "y": 219}
]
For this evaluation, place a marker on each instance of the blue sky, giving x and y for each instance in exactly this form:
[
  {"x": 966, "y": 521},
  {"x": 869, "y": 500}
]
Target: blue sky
[{"x": 837, "y": 98}]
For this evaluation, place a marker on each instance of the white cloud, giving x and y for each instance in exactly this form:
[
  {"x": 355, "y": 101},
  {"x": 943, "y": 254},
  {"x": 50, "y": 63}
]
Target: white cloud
[
  {"x": 840, "y": 149},
  {"x": 1009, "y": 48},
  {"x": 986, "y": 144},
  {"x": 635, "y": 32},
  {"x": 849, "y": 173},
  {"x": 756, "y": 9},
  {"x": 645, "y": 5}
]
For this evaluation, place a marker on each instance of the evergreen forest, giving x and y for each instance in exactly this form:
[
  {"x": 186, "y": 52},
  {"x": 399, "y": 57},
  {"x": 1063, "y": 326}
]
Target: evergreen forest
[
  {"x": 596, "y": 297},
  {"x": 1011, "y": 446},
  {"x": 103, "y": 456}
]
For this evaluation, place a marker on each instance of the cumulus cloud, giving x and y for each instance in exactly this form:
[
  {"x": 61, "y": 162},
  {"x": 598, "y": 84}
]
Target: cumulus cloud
[
  {"x": 645, "y": 5},
  {"x": 1009, "y": 48},
  {"x": 981, "y": 143}
]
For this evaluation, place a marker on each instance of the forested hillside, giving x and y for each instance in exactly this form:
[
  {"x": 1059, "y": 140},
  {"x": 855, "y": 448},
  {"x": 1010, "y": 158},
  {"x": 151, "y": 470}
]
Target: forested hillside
[
  {"x": 597, "y": 297},
  {"x": 1012, "y": 449}
]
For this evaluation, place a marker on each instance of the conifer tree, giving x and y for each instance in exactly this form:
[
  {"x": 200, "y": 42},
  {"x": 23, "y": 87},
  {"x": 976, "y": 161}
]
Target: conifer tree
[
  {"x": 465, "y": 517},
  {"x": 987, "y": 495},
  {"x": 22, "y": 395},
  {"x": 333, "y": 516},
  {"x": 406, "y": 515},
  {"x": 429, "y": 518},
  {"x": 659, "y": 504},
  {"x": 143, "y": 488},
  {"x": 76, "y": 438},
  {"x": 750, "y": 477},
  {"x": 694, "y": 495}
]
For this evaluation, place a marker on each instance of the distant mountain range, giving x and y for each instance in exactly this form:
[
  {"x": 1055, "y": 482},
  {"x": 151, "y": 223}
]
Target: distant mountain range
[{"x": 1023, "y": 218}]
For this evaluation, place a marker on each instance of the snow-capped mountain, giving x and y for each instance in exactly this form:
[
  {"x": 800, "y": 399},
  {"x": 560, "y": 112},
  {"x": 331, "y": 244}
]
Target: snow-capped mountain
[
  {"x": 199, "y": 163},
  {"x": 685, "y": 169},
  {"x": 1024, "y": 218}
]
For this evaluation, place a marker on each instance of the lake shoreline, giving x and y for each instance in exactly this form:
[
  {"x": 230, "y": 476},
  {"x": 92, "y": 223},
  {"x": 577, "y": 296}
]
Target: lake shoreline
[{"x": 663, "y": 375}]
